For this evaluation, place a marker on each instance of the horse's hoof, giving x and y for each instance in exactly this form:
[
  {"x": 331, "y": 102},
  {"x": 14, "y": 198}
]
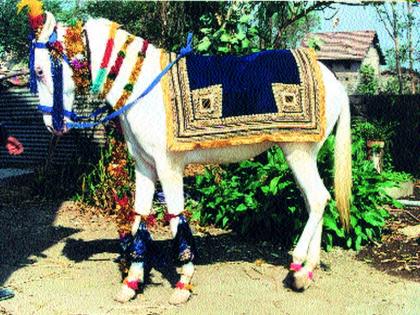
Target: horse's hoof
[
  {"x": 125, "y": 294},
  {"x": 180, "y": 296},
  {"x": 302, "y": 280}
]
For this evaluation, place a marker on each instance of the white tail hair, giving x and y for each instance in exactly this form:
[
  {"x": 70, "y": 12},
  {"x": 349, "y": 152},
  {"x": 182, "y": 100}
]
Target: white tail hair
[{"x": 342, "y": 167}]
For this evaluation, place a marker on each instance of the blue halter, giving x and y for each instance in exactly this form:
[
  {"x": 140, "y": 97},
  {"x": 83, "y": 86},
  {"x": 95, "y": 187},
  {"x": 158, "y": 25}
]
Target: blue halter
[{"x": 57, "y": 110}]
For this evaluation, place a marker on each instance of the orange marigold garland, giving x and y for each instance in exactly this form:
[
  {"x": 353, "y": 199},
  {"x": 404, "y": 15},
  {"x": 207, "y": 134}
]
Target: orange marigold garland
[
  {"x": 76, "y": 53},
  {"x": 128, "y": 88},
  {"x": 115, "y": 69}
]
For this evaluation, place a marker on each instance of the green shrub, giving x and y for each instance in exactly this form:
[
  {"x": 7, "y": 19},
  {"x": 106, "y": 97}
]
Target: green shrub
[
  {"x": 259, "y": 198},
  {"x": 111, "y": 179}
]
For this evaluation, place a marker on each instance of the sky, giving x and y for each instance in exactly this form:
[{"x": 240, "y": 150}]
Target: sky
[{"x": 353, "y": 18}]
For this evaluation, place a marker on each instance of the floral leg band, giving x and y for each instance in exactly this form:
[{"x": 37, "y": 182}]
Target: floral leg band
[{"x": 183, "y": 243}]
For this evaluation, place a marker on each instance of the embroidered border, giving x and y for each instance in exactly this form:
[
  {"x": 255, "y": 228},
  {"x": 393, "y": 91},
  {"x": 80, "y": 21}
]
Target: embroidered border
[{"x": 187, "y": 133}]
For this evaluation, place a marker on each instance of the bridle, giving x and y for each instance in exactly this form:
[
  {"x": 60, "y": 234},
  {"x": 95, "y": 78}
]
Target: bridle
[{"x": 57, "y": 57}]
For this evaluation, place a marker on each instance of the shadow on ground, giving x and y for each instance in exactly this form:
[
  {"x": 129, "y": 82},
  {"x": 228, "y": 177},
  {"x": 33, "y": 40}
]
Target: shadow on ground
[
  {"x": 211, "y": 249},
  {"x": 26, "y": 228}
]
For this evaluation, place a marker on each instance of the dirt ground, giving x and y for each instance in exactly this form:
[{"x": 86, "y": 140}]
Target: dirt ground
[{"x": 59, "y": 261}]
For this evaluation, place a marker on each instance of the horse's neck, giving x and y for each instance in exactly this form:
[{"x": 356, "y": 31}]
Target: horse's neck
[{"x": 98, "y": 35}]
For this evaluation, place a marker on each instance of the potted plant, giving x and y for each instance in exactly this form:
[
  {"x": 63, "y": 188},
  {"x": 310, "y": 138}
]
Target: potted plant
[{"x": 377, "y": 133}]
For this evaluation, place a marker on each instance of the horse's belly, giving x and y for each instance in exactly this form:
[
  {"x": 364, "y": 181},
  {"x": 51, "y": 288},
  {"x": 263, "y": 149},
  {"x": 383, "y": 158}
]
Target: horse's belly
[{"x": 227, "y": 154}]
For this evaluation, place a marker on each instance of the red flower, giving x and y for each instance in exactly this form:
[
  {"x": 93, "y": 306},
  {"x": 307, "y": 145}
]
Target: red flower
[
  {"x": 123, "y": 202},
  {"x": 58, "y": 46}
]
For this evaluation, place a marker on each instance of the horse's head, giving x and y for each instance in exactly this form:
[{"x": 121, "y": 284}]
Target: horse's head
[
  {"x": 52, "y": 74},
  {"x": 50, "y": 70}
]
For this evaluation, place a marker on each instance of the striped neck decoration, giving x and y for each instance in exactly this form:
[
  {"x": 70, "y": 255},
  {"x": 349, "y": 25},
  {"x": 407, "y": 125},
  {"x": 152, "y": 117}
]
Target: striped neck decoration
[
  {"x": 128, "y": 88},
  {"x": 100, "y": 78},
  {"x": 115, "y": 69}
]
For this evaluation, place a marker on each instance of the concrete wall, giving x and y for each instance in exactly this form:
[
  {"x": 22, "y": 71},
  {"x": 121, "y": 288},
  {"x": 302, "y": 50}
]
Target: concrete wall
[{"x": 347, "y": 71}]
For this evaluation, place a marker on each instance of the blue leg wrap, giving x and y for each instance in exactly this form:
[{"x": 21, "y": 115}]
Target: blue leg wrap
[
  {"x": 135, "y": 248},
  {"x": 141, "y": 245},
  {"x": 183, "y": 243}
]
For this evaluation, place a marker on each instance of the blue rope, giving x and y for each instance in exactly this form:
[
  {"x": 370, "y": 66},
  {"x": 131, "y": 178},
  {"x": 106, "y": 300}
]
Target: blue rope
[{"x": 183, "y": 52}]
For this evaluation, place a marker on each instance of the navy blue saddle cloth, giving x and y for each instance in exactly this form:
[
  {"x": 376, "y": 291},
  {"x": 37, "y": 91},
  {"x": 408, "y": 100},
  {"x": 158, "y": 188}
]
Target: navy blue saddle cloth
[{"x": 246, "y": 81}]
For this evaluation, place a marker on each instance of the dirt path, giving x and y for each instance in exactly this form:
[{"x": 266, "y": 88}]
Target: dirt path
[{"x": 59, "y": 262}]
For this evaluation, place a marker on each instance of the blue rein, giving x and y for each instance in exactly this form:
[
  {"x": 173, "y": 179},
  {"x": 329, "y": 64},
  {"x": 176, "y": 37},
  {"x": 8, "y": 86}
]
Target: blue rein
[{"x": 58, "y": 112}]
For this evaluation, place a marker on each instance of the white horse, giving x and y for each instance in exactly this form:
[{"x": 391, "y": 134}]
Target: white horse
[{"x": 144, "y": 127}]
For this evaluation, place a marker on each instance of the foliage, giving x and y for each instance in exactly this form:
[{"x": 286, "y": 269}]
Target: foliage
[
  {"x": 377, "y": 130},
  {"x": 390, "y": 85},
  {"x": 368, "y": 83},
  {"x": 109, "y": 184},
  {"x": 246, "y": 27},
  {"x": 374, "y": 129},
  {"x": 235, "y": 34},
  {"x": 237, "y": 27},
  {"x": 259, "y": 198}
]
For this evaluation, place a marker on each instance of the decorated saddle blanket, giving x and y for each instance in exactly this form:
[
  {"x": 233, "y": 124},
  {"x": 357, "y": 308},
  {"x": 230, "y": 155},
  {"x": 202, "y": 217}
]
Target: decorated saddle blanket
[{"x": 215, "y": 101}]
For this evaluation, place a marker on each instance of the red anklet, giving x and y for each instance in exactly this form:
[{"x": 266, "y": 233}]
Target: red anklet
[
  {"x": 183, "y": 286},
  {"x": 132, "y": 284}
]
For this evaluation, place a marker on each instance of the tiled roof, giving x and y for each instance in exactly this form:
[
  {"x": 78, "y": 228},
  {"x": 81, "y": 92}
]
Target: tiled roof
[{"x": 344, "y": 45}]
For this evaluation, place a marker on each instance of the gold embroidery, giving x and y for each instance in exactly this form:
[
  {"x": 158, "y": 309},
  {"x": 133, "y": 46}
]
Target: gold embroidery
[
  {"x": 302, "y": 119},
  {"x": 288, "y": 98},
  {"x": 207, "y": 102}
]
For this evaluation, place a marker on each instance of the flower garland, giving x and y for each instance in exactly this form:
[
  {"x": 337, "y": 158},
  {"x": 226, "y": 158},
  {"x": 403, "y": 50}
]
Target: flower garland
[
  {"x": 100, "y": 78},
  {"x": 76, "y": 53},
  {"x": 128, "y": 88},
  {"x": 115, "y": 69},
  {"x": 35, "y": 14}
]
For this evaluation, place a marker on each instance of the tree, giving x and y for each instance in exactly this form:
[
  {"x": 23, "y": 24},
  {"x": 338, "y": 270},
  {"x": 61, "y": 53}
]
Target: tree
[
  {"x": 399, "y": 23},
  {"x": 368, "y": 83},
  {"x": 244, "y": 27}
]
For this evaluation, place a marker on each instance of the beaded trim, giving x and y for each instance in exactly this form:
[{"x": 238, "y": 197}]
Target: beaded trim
[
  {"x": 100, "y": 78},
  {"x": 115, "y": 69},
  {"x": 76, "y": 53},
  {"x": 128, "y": 88}
]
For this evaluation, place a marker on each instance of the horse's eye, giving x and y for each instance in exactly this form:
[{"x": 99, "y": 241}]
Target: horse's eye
[{"x": 39, "y": 72}]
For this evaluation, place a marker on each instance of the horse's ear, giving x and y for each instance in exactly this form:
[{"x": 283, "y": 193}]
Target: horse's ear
[{"x": 48, "y": 27}]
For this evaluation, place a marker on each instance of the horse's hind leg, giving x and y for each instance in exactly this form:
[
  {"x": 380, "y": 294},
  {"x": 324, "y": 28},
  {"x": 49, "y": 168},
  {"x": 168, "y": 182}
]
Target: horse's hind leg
[
  {"x": 170, "y": 173},
  {"x": 302, "y": 161},
  {"x": 135, "y": 246}
]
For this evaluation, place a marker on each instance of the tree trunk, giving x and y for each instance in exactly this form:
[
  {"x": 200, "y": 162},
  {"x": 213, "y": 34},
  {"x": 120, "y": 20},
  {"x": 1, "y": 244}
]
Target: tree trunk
[
  {"x": 410, "y": 45},
  {"x": 395, "y": 28}
]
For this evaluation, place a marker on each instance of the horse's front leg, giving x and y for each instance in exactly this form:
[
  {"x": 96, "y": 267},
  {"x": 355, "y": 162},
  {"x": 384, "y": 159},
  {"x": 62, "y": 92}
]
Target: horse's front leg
[
  {"x": 136, "y": 246},
  {"x": 171, "y": 177}
]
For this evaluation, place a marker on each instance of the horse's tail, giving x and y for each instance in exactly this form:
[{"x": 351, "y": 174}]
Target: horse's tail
[{"x": 342, "y": 167}]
